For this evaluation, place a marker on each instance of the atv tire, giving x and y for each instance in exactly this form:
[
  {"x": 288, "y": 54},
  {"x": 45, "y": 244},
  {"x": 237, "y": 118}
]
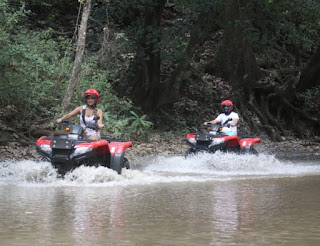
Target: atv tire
[
  {"x": 118, "y": 162},
  {"x": 251, "y": 151},
  {"x": 125, "y": 163},
  {"x": 189, "y": 152},
  {"x": 62, "y": 169}
]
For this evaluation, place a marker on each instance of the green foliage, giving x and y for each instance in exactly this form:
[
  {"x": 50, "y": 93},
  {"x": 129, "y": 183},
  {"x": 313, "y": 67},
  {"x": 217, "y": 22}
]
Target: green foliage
[
  {"x": 139, "y": 125},
  {"x": 32, "y": 71},
  {"x": 126, "y": 126},
  {"x": 9, "y": 18},
  {"x": 182, "y": 126},
  {"x": 309, "y": 101},
  {"x": 290, "y": 24},
  {"x": 35, "y": 73},
  {"x": 32, "y": 66},
  {"x": 35, "y": 65},
  {"x": 49, "y": 12},
  {"x": 115, "y": 126}
]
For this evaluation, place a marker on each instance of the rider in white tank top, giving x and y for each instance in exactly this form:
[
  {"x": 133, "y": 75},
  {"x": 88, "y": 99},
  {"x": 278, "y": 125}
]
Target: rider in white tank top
[
  {"x": 91, "y": 98},
  {"x": 89, "y": 130}
]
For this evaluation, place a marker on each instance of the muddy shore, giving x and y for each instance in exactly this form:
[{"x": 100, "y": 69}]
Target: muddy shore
[{"x": 170, "y": 144}]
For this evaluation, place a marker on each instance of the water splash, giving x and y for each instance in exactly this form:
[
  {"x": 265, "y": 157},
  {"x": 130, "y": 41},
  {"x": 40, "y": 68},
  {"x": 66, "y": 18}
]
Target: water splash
[
  {"x": 200, "y": 168},
  {"x": 230, "y": 164},
  {"x": 27, "y": 171},
  {"x": 89, "y": 175}
]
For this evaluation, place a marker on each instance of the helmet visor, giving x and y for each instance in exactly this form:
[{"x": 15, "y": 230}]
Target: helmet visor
[
  {"x": 90, "y": 97},
  {"x": 226, "y": 109},
  {"x": 226, "y": 106}
]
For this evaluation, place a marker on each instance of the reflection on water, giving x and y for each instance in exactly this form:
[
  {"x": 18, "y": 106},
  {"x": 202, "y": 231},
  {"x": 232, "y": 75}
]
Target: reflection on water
[{"x": 209, "y": 200}]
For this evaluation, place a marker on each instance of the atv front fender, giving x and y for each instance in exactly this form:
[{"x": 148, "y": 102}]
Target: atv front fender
[
  {"x": 249, "y": 142},
  {"x": 116, "y": 162}
]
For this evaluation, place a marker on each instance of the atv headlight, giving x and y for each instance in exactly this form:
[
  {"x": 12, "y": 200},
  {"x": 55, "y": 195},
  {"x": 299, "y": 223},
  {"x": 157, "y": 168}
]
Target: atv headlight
[
  {"x": 81, "y": 150},
  {"x": 216, "y": 141},
  {"x": 46, "y": 148},
  {"x": 192, "y": 140}
]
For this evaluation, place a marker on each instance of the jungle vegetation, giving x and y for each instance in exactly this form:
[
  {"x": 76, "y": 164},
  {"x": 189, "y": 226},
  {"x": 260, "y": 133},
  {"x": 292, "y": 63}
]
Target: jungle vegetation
[{"x": 165, "y": 64}]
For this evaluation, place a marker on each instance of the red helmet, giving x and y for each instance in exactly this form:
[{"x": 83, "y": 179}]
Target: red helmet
[
  {"x": 227, "y": 102},
  {"x": 92, "y": 92}
]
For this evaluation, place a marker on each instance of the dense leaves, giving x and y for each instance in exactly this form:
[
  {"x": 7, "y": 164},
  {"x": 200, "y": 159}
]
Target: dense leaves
[
  {"x": 32, "y": 65},
  {"x": 175, "y": 59}
]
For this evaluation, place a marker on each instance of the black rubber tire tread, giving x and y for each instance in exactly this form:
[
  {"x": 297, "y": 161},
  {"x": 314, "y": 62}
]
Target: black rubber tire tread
[
  {"x": 253, "y": 151},
  {"x": 125, "y": 163},
  {"x": 189, "y": 152}
]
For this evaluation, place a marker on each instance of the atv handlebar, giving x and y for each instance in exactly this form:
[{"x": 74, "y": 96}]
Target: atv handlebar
[
  {"x": 208, "y": 124},
  {"x": 226, "y": 123},
  {"x": 93, "y": 126},
  {"x": 96, "y": 118},
  {"x": 65, "y": 122}
]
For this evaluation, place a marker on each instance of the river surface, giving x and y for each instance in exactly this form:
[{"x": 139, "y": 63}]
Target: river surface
[{"x": 220, "y": 199}]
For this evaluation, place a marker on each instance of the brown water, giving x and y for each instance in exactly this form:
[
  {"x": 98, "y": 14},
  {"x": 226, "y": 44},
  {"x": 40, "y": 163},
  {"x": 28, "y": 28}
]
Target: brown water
[{"x": 169, "y": 201}]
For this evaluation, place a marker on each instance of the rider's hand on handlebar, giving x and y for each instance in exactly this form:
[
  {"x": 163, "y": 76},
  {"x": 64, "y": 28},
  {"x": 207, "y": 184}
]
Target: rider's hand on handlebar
[
  {"x": 59, "y": 120},
  {"x": 93, "y": 126}
]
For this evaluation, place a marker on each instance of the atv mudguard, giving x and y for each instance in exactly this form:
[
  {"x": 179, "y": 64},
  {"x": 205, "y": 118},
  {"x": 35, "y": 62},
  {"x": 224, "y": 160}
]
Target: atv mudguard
[
  {"x": 117, "y": 151},
  {"x": 245, "y": 142}
]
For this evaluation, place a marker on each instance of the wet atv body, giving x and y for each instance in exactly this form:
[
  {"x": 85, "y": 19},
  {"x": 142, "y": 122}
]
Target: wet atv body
[
  {"x": 218, "y": 138},
  {"x": 69, "y": 151}
]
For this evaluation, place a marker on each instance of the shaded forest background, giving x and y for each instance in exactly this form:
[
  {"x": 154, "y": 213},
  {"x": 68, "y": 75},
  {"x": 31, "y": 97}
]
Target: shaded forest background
[{"x": 162, "y": 64}]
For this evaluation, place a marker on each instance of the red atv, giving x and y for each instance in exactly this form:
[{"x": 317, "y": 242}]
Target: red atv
[
  {"x": 219, "y": 138},
  {"x": 69, "y": 151}
]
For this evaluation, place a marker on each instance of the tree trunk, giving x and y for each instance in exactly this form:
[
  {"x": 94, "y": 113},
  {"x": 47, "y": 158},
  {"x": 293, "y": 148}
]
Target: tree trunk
[
  {"x": 235, "y": 60},
  {"x": 170, "y": 92},
  {"x": 310, "y": 76},
  {"x": 148, "y": 91},
  {"x": 146, "y": 80},
  {"x": 73, "y": 82}
]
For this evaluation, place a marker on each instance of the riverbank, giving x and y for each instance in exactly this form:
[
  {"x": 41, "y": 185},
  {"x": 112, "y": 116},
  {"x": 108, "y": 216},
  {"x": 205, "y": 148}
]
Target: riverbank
[{"x": 168, "y": 144}]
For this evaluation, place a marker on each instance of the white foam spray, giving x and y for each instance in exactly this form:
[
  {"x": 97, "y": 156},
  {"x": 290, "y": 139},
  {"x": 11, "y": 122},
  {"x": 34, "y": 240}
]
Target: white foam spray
[{"x": 161, "y": 169}]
